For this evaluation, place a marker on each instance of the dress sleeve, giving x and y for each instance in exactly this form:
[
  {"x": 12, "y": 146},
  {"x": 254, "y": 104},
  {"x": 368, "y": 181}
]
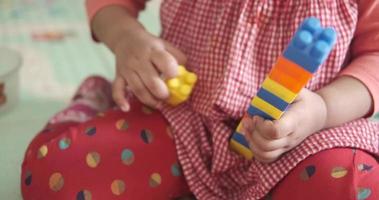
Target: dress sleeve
[
  {"x": 364, "y": 64},
  {"x": 133, "y": 6}
]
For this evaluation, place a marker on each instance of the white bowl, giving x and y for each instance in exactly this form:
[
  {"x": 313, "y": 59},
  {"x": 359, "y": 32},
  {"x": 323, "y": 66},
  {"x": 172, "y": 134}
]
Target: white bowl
[{"x": 10, "y": 63}]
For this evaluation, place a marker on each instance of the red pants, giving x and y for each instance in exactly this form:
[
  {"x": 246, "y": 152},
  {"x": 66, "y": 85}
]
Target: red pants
[
  {"x": 335, "y": 174},
  {"x": 114, "y": 156},
  {"x": 131, "y": 156}
]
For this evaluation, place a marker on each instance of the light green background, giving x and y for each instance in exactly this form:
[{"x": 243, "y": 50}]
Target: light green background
[{"x": 69, "y": 62}]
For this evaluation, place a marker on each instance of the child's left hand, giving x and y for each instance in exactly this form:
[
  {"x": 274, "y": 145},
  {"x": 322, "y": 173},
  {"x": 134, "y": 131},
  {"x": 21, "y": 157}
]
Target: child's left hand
[{"x": 270, "y": 139}]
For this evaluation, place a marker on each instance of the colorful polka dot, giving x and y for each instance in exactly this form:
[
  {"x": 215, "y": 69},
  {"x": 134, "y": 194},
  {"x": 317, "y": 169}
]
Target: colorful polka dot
[
  {"x": 64, "y": 143},
  {"x": 147, "y": 110},
  {"x": 42, "y": 152},
  {"x": 155, "y": 180},
  {"x": 56, "y": 182},
  {"x": 28, "y": 178},
  {"x": 175, "y": 170},
  {"x": 127, "y": 156},
  {"x": 122, "y": 125},
  {"x": 90, "y": 131},
  {"x": 338, "y": 172},
  {"x": 84, "y": 195},
  {"x": 363, "y": 193},
  {"x": 118, "y": 187},
  {"x": 364, "y": 167},
  {"x": 308, "y": 172},
  {"x": 147, "y": 136},
  {"x": 93, "y": 159}
]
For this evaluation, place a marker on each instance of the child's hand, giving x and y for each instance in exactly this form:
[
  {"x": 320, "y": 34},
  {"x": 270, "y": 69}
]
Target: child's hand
[
  {"x": 270, "y": 139},
  {"x": 141, "y": 61}
]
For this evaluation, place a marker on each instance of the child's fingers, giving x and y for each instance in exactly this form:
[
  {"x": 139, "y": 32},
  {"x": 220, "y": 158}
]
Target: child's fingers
[
  {"x": 179, "y": 55},
  {"x": 265, "y": 156},
  {"x": 165, "y": 63},
  {"x": 288, "y": 123},
  {"x": 267, "y": 129},
  {"x": 265, "y": 145},
  {"x": 118, "y": 93},
  {"x": 152, "y": 81},
  {"x": 139, "y": 89}
]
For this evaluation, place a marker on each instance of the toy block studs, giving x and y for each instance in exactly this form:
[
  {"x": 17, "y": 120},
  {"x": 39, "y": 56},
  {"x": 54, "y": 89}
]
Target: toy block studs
[
  {"x": 181, "y": 86},
  {"x": 310, "y": 45}
]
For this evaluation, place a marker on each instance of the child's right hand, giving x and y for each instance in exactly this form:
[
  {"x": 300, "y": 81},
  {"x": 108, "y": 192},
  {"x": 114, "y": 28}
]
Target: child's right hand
[{"x": 143, "y": 61}]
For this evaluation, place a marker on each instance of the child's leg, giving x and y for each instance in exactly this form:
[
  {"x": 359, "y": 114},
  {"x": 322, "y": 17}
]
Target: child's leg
[
  {"x": 114, "y": 156},
  {"x": 340, "y": 173}
]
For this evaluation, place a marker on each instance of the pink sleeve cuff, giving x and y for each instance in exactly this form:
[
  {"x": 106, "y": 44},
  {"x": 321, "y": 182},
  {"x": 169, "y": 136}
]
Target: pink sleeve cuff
[
  {"x": 93, "y": 6},
  {"x": 364, "y": 68}
]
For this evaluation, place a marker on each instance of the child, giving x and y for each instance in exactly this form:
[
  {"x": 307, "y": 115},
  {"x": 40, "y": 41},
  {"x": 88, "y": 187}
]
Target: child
[{"x": 322, "y": 148}]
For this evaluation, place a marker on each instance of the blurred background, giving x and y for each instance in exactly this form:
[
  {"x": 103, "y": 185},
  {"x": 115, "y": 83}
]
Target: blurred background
[{"x": 50, "y": 41}]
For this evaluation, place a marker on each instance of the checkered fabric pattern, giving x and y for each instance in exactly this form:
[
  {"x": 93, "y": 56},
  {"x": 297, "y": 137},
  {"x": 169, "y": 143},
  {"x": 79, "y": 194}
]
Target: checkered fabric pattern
[{"x": 231, "y": 46}]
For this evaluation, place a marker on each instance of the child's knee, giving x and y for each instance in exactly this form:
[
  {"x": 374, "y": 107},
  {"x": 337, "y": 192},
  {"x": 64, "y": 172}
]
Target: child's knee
[{"x": 340, "y": 173}]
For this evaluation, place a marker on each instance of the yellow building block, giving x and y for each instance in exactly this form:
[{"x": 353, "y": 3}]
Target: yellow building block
[
  {"x": 180, "y": 87},
  {"x": 237, "y": 147},
  {"x": 279, "y": 90},
  {"x": 266, "y": 107}
]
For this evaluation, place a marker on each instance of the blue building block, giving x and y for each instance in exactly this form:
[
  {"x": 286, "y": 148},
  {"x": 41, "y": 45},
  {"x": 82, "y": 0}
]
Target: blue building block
[
  {"x": 238, "y": 137},
  {"x": 252, "y": 110},
  {"x": 272, "y": 99},
  {"x": 310, "y": 45}
]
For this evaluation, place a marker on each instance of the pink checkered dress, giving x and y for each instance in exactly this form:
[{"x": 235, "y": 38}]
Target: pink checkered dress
[{"x": 232, "y": 45}]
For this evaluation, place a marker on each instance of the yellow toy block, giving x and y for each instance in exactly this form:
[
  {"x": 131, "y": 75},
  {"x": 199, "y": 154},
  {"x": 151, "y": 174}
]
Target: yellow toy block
[
  {"x": 279, "y": 90},
  {"x": 246, "y": 152},
  {"x": 266, "y": 107},
  {"x": 180, "y": 87}
]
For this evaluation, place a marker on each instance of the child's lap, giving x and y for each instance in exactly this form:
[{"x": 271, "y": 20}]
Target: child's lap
[{"x": 113, "y": 154}]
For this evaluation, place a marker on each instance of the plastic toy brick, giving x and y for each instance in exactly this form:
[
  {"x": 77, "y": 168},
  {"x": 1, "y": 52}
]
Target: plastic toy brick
[
  {"x": 293, "y": 70},
  {"x": 311, "y": 45},
  {"x": 266, "y": 107},
  {"x": 180, "y": 87},
  {"x": 307, "y": 50},
  {"x": 272, "y": 99},
  {"x": 278, "y": 90}
]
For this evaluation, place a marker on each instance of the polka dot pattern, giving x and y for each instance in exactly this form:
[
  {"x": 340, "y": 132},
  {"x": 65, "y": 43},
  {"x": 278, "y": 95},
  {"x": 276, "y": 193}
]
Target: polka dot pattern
[
  {"x": 122, "y": 125},
  {"x": 339, "y": 172},
  {"x": 363, "y": 193},
  {"x": 64, "y": 143},
  {"x": 176, "y": 170},
  {"x": 364, "y": 167},
  {"x": 28, "y": 178},
  {"x": 147, "y": 136},
  {"x": 308, "y": 172},
  {"x": 42, "y": 152},
  {"x": 56, "y": 182},
  {"x": 118, "y": 187},
  {"x": 84, "y": 195},
  {"x": 93, "y": 159},
  {"x": 147, "y": 110},
  {"x": 90, "y": 131},
  {"x": 127, "y": 157},
  {"x": 155, "y": 180}
]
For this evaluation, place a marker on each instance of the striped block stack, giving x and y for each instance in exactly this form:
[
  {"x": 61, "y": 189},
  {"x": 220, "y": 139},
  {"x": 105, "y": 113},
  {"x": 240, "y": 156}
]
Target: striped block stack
[{"x": 307, "y": 50}]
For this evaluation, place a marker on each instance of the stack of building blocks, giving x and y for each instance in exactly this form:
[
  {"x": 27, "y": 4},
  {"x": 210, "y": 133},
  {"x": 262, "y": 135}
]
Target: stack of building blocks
[
  {"x": 308, "y": 49},
  {"x": 181, "y": 86}
]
